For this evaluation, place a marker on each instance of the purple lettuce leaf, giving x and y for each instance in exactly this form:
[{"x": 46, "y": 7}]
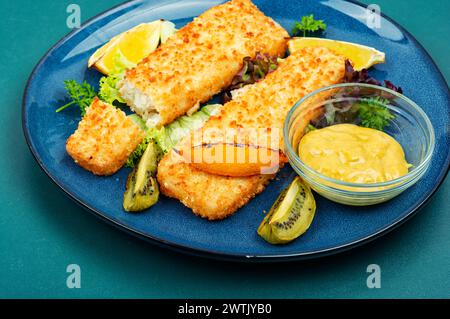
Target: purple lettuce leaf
[
  {"x": 352, "y": 76},
  {"x": 252, "y": 71}
]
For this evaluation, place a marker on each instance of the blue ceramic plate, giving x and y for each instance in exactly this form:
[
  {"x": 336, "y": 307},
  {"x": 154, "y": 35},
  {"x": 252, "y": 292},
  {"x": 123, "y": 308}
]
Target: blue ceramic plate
[{"x": 335, "y": 227}]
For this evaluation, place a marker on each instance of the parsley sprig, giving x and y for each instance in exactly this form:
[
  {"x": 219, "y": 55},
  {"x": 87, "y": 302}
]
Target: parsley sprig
[
  {"x": 370, "y": 112},
  {"x": 308, "y": 25},
  {"x": 81, "y": 94},
  {"x": 374, "y": 113}
]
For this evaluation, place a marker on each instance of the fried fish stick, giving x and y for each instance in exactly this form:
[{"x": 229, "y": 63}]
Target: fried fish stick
[
  {"x": 263, "y": 104},
  {"x": 104, "y": 139},
  {"x": 200, "y": 60}
]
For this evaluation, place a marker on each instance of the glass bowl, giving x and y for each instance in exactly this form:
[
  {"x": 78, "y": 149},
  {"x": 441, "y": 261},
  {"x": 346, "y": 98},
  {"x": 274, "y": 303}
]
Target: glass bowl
[{"x": 410, "y": 127}]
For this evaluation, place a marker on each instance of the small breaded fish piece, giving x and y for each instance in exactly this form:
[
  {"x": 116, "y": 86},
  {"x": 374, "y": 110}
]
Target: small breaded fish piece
[
  {"x": 104, "y": 139},
  {"x": 199, "y": 60},
  {"x": 261, "y": 105}
]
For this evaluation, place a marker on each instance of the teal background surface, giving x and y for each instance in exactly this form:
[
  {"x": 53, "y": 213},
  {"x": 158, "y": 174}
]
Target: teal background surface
[{"x": 42, "y": 231}]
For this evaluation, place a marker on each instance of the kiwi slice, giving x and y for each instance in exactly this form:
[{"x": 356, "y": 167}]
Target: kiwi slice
[
  {"x": 142, "y": 189},
  {"x": 291, "y": 214}
]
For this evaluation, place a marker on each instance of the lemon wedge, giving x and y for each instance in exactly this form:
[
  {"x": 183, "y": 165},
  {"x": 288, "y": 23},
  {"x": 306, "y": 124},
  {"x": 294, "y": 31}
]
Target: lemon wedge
[
  {"x": 133, "y": 45},
  {"x": 361, "y": 56}
]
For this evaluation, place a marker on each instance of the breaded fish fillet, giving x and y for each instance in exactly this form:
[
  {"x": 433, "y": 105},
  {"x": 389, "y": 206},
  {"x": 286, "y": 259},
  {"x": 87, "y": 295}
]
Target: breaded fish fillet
[
  {"x": 261, "y": 105},
  {"x": 200, "y": 60},
  {"x": 104, "y": 139}
]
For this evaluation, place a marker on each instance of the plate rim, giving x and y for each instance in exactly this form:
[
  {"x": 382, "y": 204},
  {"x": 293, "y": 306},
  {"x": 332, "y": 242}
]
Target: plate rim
[{"x": 210, "y": 253}]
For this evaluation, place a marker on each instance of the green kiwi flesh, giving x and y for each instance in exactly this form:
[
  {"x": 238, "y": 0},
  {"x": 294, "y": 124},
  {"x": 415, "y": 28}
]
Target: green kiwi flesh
[
  {"x": 291, "y": 214},
  {"x": 142, "y": 189}
]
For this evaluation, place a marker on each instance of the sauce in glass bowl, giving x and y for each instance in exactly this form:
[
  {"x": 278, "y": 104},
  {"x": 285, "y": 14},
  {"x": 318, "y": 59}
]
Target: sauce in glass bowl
[{"x": 352, "y": 153}]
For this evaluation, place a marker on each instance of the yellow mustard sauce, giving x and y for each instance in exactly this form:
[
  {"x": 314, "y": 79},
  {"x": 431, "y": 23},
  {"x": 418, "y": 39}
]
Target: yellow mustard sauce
[{"x": 355, "y": 154}]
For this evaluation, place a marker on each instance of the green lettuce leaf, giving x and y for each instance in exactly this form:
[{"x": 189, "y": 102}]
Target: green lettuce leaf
[
  {"x": 168, "y": 136},
  {"x": 109, "y": 88}
]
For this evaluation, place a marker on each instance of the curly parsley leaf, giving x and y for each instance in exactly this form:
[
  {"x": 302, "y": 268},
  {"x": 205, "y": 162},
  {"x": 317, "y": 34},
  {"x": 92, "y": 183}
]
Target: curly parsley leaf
[
  {"x": 81, "y": 94},
  {"x": 308, "y": 25},
  {"x": 374, "y": 113}
]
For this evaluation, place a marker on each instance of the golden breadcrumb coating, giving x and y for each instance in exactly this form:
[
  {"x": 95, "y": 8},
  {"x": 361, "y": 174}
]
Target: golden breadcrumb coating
[
  {"x": 210, "y": 196},
  {"x": 261, "y": 105},
  {"x": 201, "y": 59},
  {"x": 104, "y": 139}
]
